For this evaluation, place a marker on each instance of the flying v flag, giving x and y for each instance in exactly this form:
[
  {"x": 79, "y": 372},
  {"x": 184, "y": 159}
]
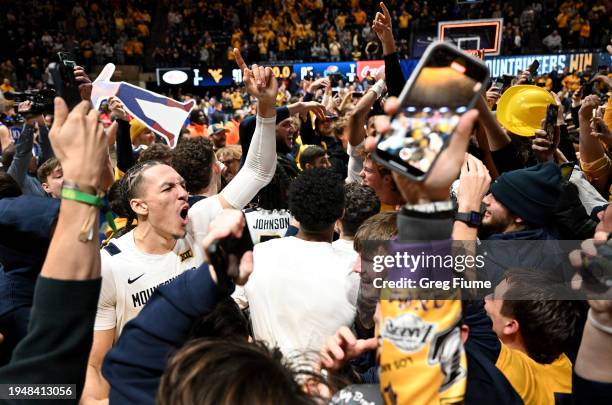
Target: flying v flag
[{"x": 160, "y": 114}]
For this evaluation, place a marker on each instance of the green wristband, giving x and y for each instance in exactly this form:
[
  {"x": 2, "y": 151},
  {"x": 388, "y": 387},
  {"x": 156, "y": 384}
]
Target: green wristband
[{"x": 75, "y": 195}]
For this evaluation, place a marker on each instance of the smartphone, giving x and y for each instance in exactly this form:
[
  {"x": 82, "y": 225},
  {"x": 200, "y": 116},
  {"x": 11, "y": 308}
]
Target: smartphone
[
  {"x": 444, "y": 85},
  {"x": 357, "y": 94},
  {"x": 225, "y": 254},
  {"x": 586, "y": 89},
  {"x": 63, "y": 79},
  {"x": 566, "y": 170},
  {"x": 497, "y": 86},
  {"x": 533, "y": 69},
  {"x": 551, "y": 121}
]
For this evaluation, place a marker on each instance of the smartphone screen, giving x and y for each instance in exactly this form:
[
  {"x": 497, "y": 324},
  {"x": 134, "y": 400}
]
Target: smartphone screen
[
  {"x": 551, "y": 120},
  {"x": 444, "y": 87}
]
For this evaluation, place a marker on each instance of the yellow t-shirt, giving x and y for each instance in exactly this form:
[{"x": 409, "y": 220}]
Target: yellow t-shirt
[
  {"x": 571, "y": 82},
  {"x": 562, "y": 20},
  {"x": 404, "y": 20},
  {"x": 536, "y": 383},
  {"x": 237, "y": 100}
]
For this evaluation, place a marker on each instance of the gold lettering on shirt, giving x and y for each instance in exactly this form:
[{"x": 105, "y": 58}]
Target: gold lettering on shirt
[{"x": 186, "y": 255}]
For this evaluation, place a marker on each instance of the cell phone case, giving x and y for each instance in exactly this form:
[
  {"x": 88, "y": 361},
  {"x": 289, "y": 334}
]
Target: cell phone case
[{"x": 392, "y": 165}]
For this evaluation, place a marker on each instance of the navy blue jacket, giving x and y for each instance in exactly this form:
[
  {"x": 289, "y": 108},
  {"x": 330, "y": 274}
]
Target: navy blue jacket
[
  {"x": 136, "y": 363},
  {"x": 26, "y": 223}
]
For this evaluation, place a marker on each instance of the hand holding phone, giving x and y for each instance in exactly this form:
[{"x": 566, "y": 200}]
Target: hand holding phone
[
  {"x": 546, "y": 140},
  {"x": 64, "y": 80},
  {"x": 552, "y": 112},
  {"x": 533, "y": 69},
  {"x": 227, "y": 246},
  {"x": 443, "y": 87}
]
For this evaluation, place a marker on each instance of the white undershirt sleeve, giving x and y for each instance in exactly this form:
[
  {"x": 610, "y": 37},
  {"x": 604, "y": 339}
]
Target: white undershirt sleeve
[{"x": 259, "y": 166}]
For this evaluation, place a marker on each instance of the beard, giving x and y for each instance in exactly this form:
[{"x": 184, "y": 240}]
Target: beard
[{"x": 496, "y": 224}]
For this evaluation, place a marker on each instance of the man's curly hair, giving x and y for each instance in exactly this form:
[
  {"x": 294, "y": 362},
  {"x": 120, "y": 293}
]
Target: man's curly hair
[
  {"x": 316, "y": 199},
  {"x": 193, "y": 159},
  {"x": 361, "y": 203},
  {"x": 158, "y": 151}
]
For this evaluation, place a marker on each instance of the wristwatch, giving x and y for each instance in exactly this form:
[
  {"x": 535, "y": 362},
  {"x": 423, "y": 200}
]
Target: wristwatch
[{"x": 473, "y": 219}]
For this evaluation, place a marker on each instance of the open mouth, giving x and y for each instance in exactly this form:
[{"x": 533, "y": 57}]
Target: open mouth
[{"x": 183, "y": 214}]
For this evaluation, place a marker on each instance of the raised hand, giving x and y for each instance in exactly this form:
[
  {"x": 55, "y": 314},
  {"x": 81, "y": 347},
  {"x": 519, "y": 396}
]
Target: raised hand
[
  {"x": 80, "y": 144},
  {"x": 523, "y": 78},
  {"x": 343, "y": 347},
  {"x": 317, "y": 109},
  {"x": 259, "y": 81},
  {"x": 317, "y": 84},
  {"x": 589, "y": 104},
  {"x": 230, "y": 223},
  {"x": 543, "y": 147},
  {"x": 492, "y": 96},
  {"x": 600, "y": 130},
  {"x": 474, "y": 183},
  {"x": 117, "y": 108},
  {"x": 85, "y": 84},
  {"x": 384, "y": 30}
]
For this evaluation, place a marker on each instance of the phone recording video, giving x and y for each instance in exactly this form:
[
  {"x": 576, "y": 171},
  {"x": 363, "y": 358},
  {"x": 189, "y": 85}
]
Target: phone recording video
[
  {"x": 225, "y": 254},
  {"x": 64, "y": 80},
  {"x": 551, "y": 121},
  {"x": 444, "y": 86}
]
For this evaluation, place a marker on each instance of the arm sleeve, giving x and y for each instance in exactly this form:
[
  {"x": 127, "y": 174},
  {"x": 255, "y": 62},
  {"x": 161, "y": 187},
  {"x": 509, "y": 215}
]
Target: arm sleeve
[
  {"x": 482, "y": 338},
  {"x": 106, "y": 316},
  {"x": 60, "y": 333},
  {"x": 247, "y": 129},
  {"x": 45, "y": 145},
  {"x": 259, "y": 165},
  {"x": 590, "y": 392},
  {"x": 125, "y": 156},
  {"x": 135, "y": 365},
  {"x": 23, "y": 153},
  {"x": 393, "y": 74}
]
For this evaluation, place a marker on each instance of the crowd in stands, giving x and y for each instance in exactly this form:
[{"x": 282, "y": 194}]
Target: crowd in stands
[
  {"x": 205, "y": 32},
  {"x": 239, "y": 266},
  {"x": 338, "y": 30},
  {"x": 94, "y": 32}
]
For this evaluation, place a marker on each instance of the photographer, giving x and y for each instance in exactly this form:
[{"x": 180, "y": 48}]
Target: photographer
[{"x": 24, "y": 165}]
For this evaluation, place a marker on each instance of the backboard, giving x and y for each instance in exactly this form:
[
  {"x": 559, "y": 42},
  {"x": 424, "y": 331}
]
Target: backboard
[{"x": 473, "y": 35}]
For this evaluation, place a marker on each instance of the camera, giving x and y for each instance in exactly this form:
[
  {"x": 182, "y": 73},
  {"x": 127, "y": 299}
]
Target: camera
[{"x": 42, "y": 100}]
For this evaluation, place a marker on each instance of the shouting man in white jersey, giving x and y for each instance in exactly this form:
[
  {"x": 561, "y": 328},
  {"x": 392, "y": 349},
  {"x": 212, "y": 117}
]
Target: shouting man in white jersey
[{"x": 167, "y": 240}]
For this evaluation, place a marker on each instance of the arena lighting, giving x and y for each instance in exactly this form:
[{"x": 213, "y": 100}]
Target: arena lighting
[{"x": 175, "y": 77}]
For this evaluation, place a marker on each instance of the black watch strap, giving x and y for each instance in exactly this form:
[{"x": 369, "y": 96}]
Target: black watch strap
[{"x": 472, "y": 218}]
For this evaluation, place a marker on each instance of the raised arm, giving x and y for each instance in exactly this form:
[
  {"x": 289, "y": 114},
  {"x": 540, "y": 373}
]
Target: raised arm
[
  {"x": 393, "y": 71},
  {"x": 125, "y": 155},
  {"x": 260, "y": 162},
  {"x": 57, "y": 345},
  {"x": 355, "y": 130},
  {"x": 593, "y": 159}
]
